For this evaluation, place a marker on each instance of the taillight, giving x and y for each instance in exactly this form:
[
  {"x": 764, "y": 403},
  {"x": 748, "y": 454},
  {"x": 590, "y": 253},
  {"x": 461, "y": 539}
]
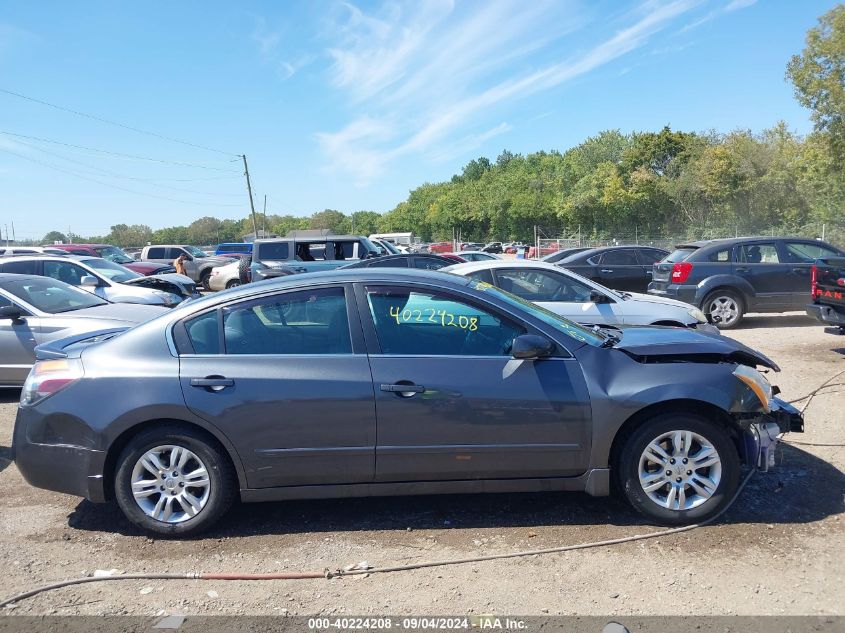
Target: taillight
[
  {"x": 813, "y": 272},
  {"x": 681, "y": 272},
  {"x": 48, "y": 377}
]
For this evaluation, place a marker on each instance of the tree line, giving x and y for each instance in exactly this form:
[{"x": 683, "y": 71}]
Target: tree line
[{"x": 653, "y": 183}]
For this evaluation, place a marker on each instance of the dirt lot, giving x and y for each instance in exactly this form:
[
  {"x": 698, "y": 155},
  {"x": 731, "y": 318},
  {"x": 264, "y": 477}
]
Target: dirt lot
[{"x": 777, "y": 551}]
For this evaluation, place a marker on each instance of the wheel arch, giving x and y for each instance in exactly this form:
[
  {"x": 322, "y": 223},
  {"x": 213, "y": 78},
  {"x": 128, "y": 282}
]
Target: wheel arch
[
  {"x": 122, "y": 440},
  {"x": 735, "y": 284},
  {"x": 681, "y": 406}
]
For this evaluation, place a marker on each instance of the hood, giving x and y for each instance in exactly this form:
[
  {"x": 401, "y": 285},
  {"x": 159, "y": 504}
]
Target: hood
[
  {"x": 669, "y": 344},
  {"x": 659, "y": 300},
  {"x": 131, "y": 313},
  {"x": 145, "y": 268},
  {"x": 173, "y": 283},
  {"x": 214, "y": 260}
]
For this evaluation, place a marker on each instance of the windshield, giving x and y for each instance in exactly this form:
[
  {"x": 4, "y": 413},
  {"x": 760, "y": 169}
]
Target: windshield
[
  {"x": 110, "y": 270},
  {"x": 368, "y": 246},
  {"x": 193, "y": 251},
  {"x": 52, "y": 296},
  {"x": 562, "y": 324},
  {"x": 114, "y": 254}
]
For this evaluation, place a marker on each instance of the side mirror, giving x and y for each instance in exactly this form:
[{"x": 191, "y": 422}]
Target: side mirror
[
  {"x": 89, "y": 281},
  {"x": 530, "y": 346},
  {"x": 598, "y": 297},
  {"x": 12, "y": 312}
]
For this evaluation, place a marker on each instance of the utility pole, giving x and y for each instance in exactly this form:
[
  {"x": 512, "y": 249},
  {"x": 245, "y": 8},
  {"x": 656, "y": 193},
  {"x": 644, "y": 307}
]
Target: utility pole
[
  {"x": 264, "y": 228},
  {"x": 7, "y": 235},
  {"x": 14, "y": 239},
  {"x": 251, "y": 202}
]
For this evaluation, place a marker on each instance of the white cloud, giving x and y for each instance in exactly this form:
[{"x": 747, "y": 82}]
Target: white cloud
[
  {"x": 735, "y": 5},
  {"x": 419, "y": 74},
  {"x": 269, "y": 46}
]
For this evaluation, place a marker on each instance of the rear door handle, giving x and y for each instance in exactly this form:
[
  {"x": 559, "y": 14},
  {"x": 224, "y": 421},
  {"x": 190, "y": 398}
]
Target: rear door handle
[
  {"x": 742, "y": 270},
  {"x": 607, "y": 270},
  {"x": 212, "y": 383}
]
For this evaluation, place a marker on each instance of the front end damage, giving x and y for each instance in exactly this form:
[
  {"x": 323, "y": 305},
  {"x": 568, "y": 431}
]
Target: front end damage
[{"x": 762, "y": 432}]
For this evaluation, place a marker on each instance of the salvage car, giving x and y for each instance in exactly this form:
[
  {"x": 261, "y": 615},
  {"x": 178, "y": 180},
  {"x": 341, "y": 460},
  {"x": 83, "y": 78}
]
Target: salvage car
[
  {"x": 582, "y": 300},
  {"x": 386, "y": 382},
  {"x": 106, "y": 279},
  {"x": 35, "y": 310},
  {"x": 619, "y": 267}
]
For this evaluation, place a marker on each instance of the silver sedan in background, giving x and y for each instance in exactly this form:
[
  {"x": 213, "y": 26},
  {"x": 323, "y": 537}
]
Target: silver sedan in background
[{"x": 35, "y": 310}]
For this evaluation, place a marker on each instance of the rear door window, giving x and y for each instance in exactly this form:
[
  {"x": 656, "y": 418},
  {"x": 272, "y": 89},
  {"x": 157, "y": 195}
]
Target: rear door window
[
  {"x": 156, "y": 252},
  {"x": 540, "y": 285},
  {"x": 302, "y": 322},
  {"x": 430, "y": 263},
  {"x": 649, "y": 256},
  {"x": 763, "y": 253},
  {"x": 411, "y": 322},
  {"x": 22, "y": 268},
  {"x": 624, "y": 257}
]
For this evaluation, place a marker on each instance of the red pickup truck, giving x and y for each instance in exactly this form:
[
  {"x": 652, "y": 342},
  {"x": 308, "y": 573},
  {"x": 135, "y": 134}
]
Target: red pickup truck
[
  {"x": 116, "y": 255},
  {"x": 828, "y": 292}
]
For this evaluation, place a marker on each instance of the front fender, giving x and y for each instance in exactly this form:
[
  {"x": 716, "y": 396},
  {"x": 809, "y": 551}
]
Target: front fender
[{"x": 717, "y": 281}]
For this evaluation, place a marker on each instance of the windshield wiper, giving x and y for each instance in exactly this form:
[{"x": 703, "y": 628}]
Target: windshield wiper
[{"x": 611, "y": 340}]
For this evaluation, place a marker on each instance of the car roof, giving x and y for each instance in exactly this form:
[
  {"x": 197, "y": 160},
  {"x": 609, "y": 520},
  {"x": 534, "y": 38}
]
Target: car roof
[
  {"x": 316, "y": 238},
  {"x": 5, "y": 278},
  {"x": 733, "y": 241},
  {"x": 83, "y": 245},
  {"x": 51, "y": 257},
  {"x": 465, "y": 267}
]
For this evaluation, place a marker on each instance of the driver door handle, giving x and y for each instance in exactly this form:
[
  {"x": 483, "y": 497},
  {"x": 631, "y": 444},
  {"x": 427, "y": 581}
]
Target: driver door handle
[
  {"x": 607, "y": 270},
  {"x": 402, "y": 389},
  {"x": 212, "y": 383}
]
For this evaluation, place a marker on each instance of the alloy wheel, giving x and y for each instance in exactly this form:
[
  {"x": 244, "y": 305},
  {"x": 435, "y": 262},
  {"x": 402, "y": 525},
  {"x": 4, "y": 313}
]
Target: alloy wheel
[
  {"x": 723, "y": 309},
  {"x": 170, "y": 484},
  {"x": 680, "y": 470}
]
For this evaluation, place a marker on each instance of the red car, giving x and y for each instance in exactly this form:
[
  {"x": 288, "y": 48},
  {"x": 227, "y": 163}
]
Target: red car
[
  {"x": 116, "y": 255},
  {"x": 440, "y": 247}
]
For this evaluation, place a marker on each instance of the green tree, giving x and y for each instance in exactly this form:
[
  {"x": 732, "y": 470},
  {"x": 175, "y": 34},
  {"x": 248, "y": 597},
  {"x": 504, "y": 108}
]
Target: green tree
[
  {"x": 54, "y": 236},
  {"x": 205, "y": 230},
  {"x": 129, "y": 235},
  {"x": 328, "y": 219},
  {"x": 818, "y": 75}
]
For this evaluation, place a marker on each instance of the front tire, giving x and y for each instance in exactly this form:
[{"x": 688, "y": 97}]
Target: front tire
[
  {"x": 678, "y": 468},
  {"x": 724, "y": 309},
  {"x": 174, "y": 481},
  {"x": 233, "y": 283}
]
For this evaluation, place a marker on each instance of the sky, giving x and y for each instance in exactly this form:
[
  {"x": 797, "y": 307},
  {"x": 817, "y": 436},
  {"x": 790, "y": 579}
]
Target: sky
[{"x": 138, "y": 112}]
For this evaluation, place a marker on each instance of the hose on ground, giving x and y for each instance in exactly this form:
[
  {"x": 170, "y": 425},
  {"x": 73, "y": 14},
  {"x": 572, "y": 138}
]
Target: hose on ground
[{"x": 377, "y": 570}]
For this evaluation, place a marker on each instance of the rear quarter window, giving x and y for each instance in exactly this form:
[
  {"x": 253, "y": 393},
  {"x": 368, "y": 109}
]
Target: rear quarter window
[{"x": 273, "y": 251}]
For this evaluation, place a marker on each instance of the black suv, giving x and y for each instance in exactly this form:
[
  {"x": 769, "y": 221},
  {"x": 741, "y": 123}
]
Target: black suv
[{"x": 728, "y": 278}]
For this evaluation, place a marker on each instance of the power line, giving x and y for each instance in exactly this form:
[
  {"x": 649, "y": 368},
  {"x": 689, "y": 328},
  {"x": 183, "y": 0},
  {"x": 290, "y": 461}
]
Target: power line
[
  {"x": 132, "y": 156},
  {"x": 115, "y": 123},
  {"x": 122, "y": 176},
  {"x": 106, "y": 184}
]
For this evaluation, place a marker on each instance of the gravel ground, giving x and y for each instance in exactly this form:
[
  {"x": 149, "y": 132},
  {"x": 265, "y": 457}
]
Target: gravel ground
[{"x": 777, "y": 551}]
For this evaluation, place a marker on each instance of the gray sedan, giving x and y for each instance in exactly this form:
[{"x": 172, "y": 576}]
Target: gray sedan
[
  {"x": 387, "y": 381},
  {"x": 35, "y": 310}
]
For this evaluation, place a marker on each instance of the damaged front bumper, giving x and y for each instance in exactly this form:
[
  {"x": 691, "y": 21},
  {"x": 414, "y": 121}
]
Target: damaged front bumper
[{"x": 763, "y": 432}]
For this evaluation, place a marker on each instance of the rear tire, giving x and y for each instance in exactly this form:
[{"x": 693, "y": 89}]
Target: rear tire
[
  {"x": 233, "y": 283},
  {"x": 155, "y": 496},
  {"x": 245, "y": 269},
  {"x": 703, "y": 486},
  {"x": 727, "y": 305}
]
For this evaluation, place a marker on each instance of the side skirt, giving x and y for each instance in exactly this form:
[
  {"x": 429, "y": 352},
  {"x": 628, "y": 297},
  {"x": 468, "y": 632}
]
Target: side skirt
[{"x": 595, "y": 482}]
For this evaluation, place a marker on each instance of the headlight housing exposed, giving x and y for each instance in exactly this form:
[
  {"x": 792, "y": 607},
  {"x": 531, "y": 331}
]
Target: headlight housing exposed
[
  {"x": 169, "y": 298},
  {"x": 48, "y": 377},
  {"x": 698, "y": 315},
  {"x": 757, "y": 382}
]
